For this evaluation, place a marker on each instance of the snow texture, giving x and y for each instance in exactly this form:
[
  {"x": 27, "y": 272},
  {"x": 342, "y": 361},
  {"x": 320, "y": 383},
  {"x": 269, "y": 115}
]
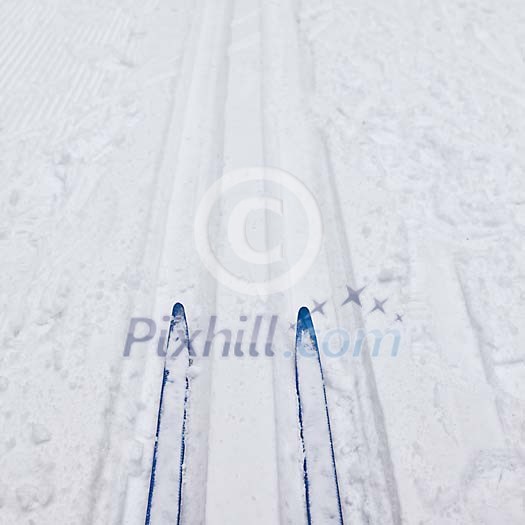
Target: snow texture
[{"x": 405, "y": 119}]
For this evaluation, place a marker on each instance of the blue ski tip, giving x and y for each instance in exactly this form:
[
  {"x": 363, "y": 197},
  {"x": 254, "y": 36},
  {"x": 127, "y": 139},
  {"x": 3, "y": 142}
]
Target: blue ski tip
[
  {"x": 178, "y": 311},
  {"x": 304, "y": 321}
]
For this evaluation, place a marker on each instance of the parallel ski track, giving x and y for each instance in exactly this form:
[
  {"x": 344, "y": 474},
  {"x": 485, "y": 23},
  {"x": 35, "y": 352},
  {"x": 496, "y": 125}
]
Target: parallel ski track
[
  {"x": 345, "y": 273},
  {"x": 179, "y": 124},
  {"x": 32, "y": 48},
  {"x": 340, "y": 272},
  {"x": 159, "y": 220},
  {"x": 358, "y": 320},
  {"x": 158, "y": 213},
  {"x": 209, "y": 296}
]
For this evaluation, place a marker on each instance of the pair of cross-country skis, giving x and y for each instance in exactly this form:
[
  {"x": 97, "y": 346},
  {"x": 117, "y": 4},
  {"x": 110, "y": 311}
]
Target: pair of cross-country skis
[{"x": 321, "y": 492}]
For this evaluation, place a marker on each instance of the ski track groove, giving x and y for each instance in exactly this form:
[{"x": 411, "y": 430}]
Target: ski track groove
[
  {"x": 361, "y": 424},
  {"x": 342, "y": 239},
  {"x": 486, "y": 359},
  {"x": 156, "y": 216},
  {"x": 377, "y": 410},
  {"x": 220, "y": 117},
  {"x": 271, "y": 154},
  {"x": 162, "y": 188}
]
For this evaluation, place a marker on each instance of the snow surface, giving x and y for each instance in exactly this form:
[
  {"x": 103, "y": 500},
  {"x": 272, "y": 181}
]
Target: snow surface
[{"x": 403, "y": 118}]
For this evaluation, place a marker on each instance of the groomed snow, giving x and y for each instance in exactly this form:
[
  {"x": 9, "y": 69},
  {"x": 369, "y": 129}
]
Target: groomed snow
[{"x": 403, "y": 119}]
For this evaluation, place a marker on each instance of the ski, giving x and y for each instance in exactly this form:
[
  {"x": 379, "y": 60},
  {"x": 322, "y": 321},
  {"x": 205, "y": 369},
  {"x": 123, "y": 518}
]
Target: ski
[
  {"x": 321, "y": 485},
  {"x": 167, "y": 471}
]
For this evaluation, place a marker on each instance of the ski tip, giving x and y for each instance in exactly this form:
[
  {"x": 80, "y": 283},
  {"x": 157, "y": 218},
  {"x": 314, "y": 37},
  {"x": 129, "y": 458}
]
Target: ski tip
[
  {"x": 178, "y": 311},
  {"x": 304, "y": 321}
]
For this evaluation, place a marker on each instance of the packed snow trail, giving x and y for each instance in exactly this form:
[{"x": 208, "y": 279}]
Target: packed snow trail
[
  {"x": 403, "y": 118},
  {"x": 294, "y": 142}
]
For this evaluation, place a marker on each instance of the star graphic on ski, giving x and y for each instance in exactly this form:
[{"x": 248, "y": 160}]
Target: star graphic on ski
[
  {"x": 318, "y": 307},
  {"x": 378, "y": 305},
  {"x": 353, "y": 296},
  {"x": 399, "y": 318}
]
